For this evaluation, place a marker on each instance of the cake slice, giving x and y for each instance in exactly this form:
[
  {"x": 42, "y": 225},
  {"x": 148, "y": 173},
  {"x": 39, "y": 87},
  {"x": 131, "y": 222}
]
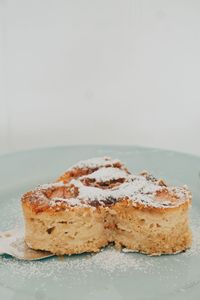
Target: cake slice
[
  {"x": 151, "y": 217},
  {"x": 97, "y": 202},
  {"x": 67, "y": 217}
]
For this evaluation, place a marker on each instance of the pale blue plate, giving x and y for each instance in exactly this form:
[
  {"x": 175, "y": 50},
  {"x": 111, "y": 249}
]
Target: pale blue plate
[{"x": 110, "y": 274}]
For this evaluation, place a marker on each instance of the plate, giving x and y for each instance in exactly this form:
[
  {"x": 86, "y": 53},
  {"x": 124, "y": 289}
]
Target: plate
[{"x": 109, "y": 274}]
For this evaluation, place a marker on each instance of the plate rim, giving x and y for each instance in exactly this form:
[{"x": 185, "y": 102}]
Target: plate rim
[{"x": 135, "y": 146}]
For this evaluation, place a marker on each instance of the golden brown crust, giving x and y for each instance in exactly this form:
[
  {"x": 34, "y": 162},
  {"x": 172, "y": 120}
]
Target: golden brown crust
[
  {"x": 105, "y": 186},
  {"x": 38, "y": 207},
  {"x": 39, "y": 199}
]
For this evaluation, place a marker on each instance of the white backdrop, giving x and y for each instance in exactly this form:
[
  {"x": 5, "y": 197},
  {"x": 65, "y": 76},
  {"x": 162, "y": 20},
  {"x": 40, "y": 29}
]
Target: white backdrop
[{"x": 100, "y": 72}]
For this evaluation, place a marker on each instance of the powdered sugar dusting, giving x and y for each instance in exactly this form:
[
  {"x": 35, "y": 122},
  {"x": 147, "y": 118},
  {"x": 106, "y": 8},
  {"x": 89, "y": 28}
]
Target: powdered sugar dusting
[
  {"x": 137, "y": 188},
  {"x": 50, "y": 185},
  {"x": 69, "y": 201},
  {"x": 108, "y": 261},
  {"x": 90, "y": 193},
  {"x": 106, "y": 174},
  {"x": 96, "y": 162}
]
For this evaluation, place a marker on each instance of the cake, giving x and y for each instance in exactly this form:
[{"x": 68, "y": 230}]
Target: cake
[{"x": 99, "y": 201}]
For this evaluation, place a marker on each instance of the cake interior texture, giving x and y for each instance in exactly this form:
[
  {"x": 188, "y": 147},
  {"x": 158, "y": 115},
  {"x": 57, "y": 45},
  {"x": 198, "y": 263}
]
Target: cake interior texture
[{"x": 98, "y": 202}]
